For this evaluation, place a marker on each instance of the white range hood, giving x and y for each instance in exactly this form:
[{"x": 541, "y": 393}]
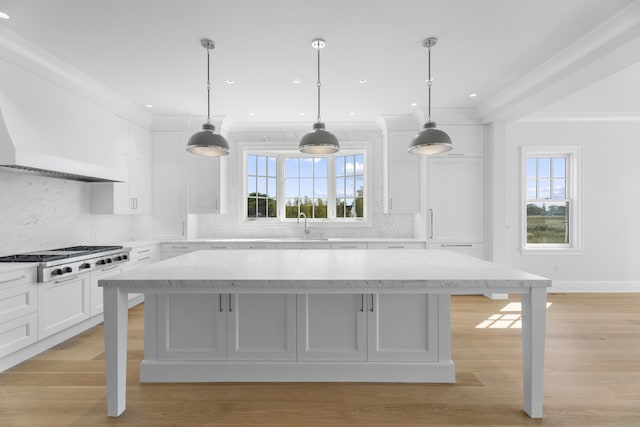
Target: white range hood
[{"x": 57, "y": 121}]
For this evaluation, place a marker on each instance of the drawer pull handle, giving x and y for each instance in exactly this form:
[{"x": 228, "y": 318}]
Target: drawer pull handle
[
  {"x": 456, "y": 246},
  {"x": 13, "y": 279},
  {"x": 144, "y": 258},
  {"x": 66, "y": 280},
  {"x": 179, "y": 247},
  {"x": 110, "y": 268}
]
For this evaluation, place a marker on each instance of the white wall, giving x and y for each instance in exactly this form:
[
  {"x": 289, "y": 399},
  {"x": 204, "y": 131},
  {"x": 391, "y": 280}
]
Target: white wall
[
  {"x": 610, "y": 259},
  {"x": 45, "y": 213},
  {"x": 231, "y": 224}
]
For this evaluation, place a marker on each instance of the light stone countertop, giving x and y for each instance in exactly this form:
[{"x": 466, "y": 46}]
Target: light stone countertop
[{"x": 325, "y": 269}]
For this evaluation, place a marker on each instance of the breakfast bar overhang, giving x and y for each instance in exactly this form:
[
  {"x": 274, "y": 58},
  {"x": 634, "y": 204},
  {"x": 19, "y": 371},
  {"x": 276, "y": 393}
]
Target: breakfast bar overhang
[{"x": 218, "y": 280}]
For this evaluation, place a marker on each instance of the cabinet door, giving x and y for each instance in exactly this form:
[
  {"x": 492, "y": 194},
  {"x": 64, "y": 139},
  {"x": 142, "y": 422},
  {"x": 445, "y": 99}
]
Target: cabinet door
[
  {"x": 261, "y": 327},
  {"x": 140, "y": 160},
  {"x": 97, "y": 293},
  {"x": 456, "y": 200},
  {"x": 63, "y": 303},
  {"x": 191, "y": 327},
  {"x": 404, "y": 173},
  {"x": 402, "y": 327},
  {"x": 170, "y": 184},
  {"x": 204, "y": 184},
  {"x": 332, "y": 327}
]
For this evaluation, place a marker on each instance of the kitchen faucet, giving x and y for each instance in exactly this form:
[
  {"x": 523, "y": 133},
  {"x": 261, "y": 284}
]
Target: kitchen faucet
[{"x": 306, "y": 230}]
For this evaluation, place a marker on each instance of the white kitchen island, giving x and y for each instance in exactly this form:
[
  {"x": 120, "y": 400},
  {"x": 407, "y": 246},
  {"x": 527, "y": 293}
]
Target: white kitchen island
[{"x": 323, "y": 315}]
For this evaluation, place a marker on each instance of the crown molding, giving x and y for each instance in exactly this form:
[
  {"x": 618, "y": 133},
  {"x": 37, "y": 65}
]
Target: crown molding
[{"x": 626, "y": 116}]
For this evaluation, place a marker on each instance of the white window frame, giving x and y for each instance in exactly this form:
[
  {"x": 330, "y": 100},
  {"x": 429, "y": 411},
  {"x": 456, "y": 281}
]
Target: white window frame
[
  {"x": 285, "y": 150},
  {"x": 573, "y": 170}
]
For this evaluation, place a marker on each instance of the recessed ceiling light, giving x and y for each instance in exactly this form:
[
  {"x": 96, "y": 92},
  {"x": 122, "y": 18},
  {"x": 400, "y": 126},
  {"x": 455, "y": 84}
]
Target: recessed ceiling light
[
  {"x": 4, "y": 15},
  {"x": 414, "y": 104},
  {"x": 352, "y": 114},
  {"x": 473, "y": 95},
  {"x": 230, "y": 82},
  {"x": 297, "y": 81},
  {"x": 363, "y": 80},
  {"x": 252, "y": 114},
  {"x": 149, "y": 106},
  {"x": 301, "y": 114}
]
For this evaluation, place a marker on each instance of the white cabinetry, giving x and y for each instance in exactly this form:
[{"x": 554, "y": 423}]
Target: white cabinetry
[
  {"x": 455, "y": 193},
  {"x": 373, "y": 327},
  {"x": 18, "y": 310},
  {"x": 97, "y": 293},
  {"x": 226, "y": 327},
  {"x": 205, "y": 189},
  {"x": 170, "y": 185},
  {"x": 396, "y": 245},
  {"x": 133, "y": 196},
  {"x": 63, "y": 303},
  {"x": 348, "y": 245},
  {"x": 403, "y": 172}
]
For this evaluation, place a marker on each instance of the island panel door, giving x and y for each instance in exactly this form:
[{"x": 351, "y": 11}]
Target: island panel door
[
  {"x": 402, "y": 327},
  {"x": 332, "y": 327},
  {"x": 191, "y": 327},
  {"x": 261, "y": 327}
]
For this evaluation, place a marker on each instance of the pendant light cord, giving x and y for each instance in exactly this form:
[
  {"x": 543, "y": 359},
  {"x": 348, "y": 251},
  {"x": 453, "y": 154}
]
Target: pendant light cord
[
  {"x": 208, "y": 89},
  {"x": 318, "y": 84},
  {"x": 429, "y": 82}
]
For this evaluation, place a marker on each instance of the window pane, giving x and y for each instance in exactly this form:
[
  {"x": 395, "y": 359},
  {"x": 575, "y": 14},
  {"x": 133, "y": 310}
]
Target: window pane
[
  {"x": 251, "y": 185},
  {"x": 251, "y": 164},
  {"x": 531, "y": 167},
  {"x": 291, "y": 208},
  {"x": 340, "y": 166},
  {"x": 531, "y": 189},
  {"x": 360, "y": 164},
  {"x": 262, "y": 165},
  {"x": 271, "y": 208},
  {"x": 291, "y": 167},
  {"x": 340, "y": 187},
  {"x": 544, "y": 167},
  {"x": 350, "y": 187},
  {"x": 321, "y": 167},
  {"x": 360, "y": 207},
  {"x": 339, "y": 208},
  {"x": 320, "y": 188},
  {"x": 559, "y": 191},
  {"x": 359, "y": 186},
  {"x": 271, "y": 187},
  {"x": 291, "y": 188},
  {"x": 546, "y": 223},
  {"x": 262, "y": 187},
  {"x": 349, "y": 166},
  {"x": 348, "y": 210},
  {"x": 271, "y": 166},
  {"x": 320, "y": 208},
  {"x": 544, "y": 189},
  {"x": 252, "y": 205},
  {"x": 306, "y": 187},
  {"x": 558, "y": 164},
  {"x": 306, "y": 167}
]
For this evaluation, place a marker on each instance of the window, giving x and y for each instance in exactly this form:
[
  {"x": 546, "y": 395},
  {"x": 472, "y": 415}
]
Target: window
[
  {"x": 550, "y": 219},
  {"x": 284, "y": 184}
]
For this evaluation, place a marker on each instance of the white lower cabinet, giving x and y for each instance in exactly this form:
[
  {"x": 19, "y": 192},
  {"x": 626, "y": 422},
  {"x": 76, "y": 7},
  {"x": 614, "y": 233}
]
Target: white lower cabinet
[
  {"x": 332, "y": 327},
  {"x": 403, "y": 327},
  {"x": 18, "y": 310},
  {"x": 63, "y": 303},
  {"x": 367, "y": 327},
  {"x": 226, "y": 327},
  {"x": 97, "y": 293}
]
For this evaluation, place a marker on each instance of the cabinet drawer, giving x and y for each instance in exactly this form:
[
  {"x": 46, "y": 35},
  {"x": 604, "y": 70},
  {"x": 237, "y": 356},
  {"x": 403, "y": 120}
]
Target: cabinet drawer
[
  {"x": 18, "y": 333},
  {"x": 212, "y": 246},
  {"x": 471, "y": 249},
  {"x": 19, "y": 300},
  {"x": 397, "y": 245},
  {"x": 258, "y": 245},
  {"x": 343, "y": 245},
  {"x": 17, "y": 278}
]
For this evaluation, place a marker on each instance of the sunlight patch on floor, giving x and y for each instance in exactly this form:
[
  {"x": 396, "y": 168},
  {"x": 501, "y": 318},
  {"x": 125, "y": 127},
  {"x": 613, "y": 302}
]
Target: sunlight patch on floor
[{"x": 510, "y": 317}]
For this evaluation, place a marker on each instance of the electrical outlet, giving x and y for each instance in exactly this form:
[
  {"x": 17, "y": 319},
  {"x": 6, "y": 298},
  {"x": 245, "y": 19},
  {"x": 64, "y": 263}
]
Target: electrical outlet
[{"x": 556, "y": 269}]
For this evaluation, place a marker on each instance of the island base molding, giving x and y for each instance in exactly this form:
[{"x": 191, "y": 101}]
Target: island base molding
[{"x": 205, "y": 371}]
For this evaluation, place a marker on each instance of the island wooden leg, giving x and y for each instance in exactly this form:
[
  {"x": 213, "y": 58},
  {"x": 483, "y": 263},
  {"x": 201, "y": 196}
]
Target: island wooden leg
[
  {"x": 534, "y": 306},
  {"x": 116, "y": 318}
]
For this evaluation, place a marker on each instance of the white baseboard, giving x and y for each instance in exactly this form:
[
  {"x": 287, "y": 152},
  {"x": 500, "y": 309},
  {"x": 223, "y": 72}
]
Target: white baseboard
[{"x": 595, "y": 286}]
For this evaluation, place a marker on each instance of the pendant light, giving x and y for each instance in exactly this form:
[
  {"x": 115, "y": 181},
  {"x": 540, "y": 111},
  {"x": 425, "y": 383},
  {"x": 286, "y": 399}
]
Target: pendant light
[
  {"x": 319, "y": 140},
  {"x": 430, "y": 140},
  {"x": 207, "y": 142}
]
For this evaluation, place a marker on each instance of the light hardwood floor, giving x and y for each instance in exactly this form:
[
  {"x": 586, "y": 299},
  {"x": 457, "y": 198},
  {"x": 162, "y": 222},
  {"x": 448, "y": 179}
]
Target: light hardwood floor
[{"x": 592, "y": 378}]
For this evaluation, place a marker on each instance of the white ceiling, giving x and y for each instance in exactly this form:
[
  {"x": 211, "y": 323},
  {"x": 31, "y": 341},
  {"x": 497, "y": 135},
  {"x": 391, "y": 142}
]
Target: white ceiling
[{"x": 149, "y": 51}]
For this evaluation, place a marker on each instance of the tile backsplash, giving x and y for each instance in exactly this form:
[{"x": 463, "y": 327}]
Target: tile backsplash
[{"x": 44, "y": 213}]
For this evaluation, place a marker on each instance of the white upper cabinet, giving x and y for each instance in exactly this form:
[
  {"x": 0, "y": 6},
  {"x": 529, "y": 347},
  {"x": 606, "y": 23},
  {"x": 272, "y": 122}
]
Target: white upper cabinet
[
  {"x": 170, "y": 185},
  {"x": 404, "y": 173},
  {"x": 205, "y": 191},
  {"x": 468, "y": 140},
  {"x": 134, "y": 196}
]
